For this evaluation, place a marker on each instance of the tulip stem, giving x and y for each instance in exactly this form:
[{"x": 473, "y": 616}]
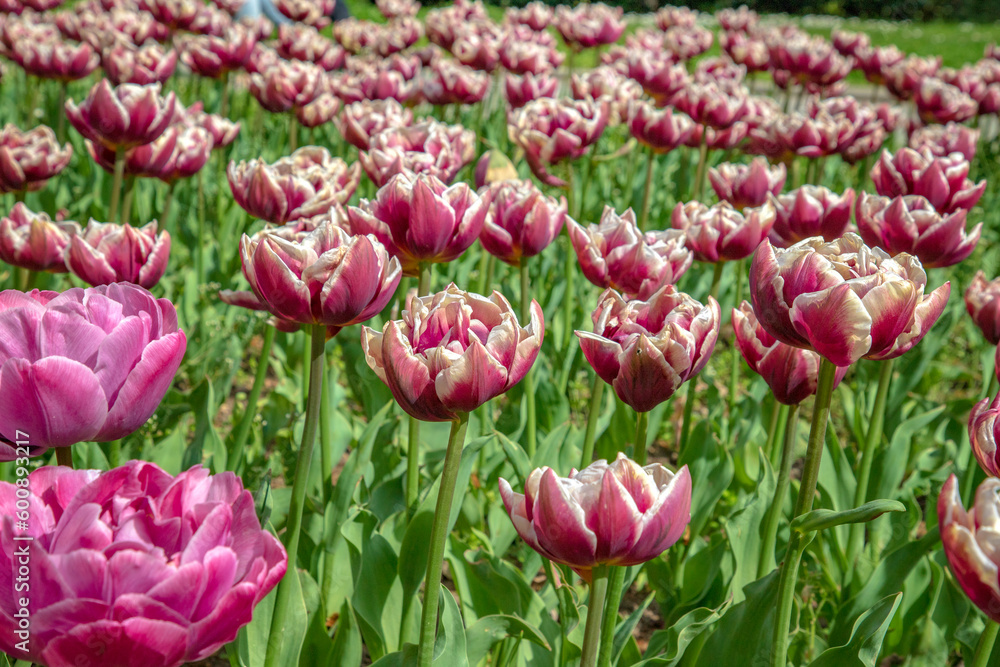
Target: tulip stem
[
  {"x": 300, "y": 484},
  {"x": 125, "y": 215},
  {"x": 246, "y": 421},
  {"x": 413, "y": 432},
  {"x": 984, "y": 649},
  {"x": 641, "y": 424},
  {"x": 595, "y": 612},
  {"x": 778, "y": 419},
  {"x": 199, "y": 258},
  {"x": 648, "y": 191},
  {"x": 64, "y": 456},
  {"x": 699, "y": 176},
  {"x": 569, "y": 269},
  {"x": 780, "y": 490},
  {"x": 531, "y": 433},
  {"x": 116, "y": 184},
  {"x": 224, "y": 96},
  {"x": 293, "y": 133},
  {"x": 872, "y": 439},
  {"x": 594, "y": 413},
  {"x": 803, "y": 503},
  {"x": 61, "y": 113},
  {"x": 734, "y": 375},
  {"x": 167, "y": 201},
  {"x": 439, "y": 537},
  {"x": 616, "y": 583},
  {"x": 692, "y": 383},
  {"x": 115, "y": 453}
]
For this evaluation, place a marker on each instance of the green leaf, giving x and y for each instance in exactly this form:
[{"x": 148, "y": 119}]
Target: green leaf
[
  {"x": 711, "y": 469},
  {"x": 450, "y": 648},
  {"x": 624, "y": 630},
  {"x": 667, "y": 646},
  {"x": 485, "y": 633},
  {"x": 286, "y": 642},
  {"x": 865, "y": 643},
  {"x": 347, "y": 649},
  {"x": 822, "y": 519},
  {"x": 262, "y": 498},
  {"x": 413, "y": 552},
  {"x": 743, "y": 528},
  {"x": 743, "y": 635}
]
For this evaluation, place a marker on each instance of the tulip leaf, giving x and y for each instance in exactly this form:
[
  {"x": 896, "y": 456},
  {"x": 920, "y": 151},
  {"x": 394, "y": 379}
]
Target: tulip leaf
[
  {"x": 743, "y": 635},
  {"x": 286, "y": 642},
  {"x": 822, "y": 519},
  {"x": 743, "y": 528},
  {"x": 623, "y": 632},
  {"x": 413, "y": 554},
  {"x": 517, "y": 458},
  {"x": 485, "y": 633},
  {"x": 711, "y": 469},
  {"x": 347, "y": 649},
  {"x": 666, "y": 647},
  {"x": 865, "y": 643}
]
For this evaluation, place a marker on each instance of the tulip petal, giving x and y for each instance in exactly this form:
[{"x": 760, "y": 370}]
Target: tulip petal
[
  {"x": 472, "y": 380},
  {"x": 835, "y": 322}
]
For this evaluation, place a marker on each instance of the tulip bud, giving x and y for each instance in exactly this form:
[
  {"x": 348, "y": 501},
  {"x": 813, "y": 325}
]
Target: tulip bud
[
  {"x": 453, "y": 351},
  {"x": 522, "y": 220},
  {"x": 617, "y": 514},
  {"x": 34, "y": 241},
  {"x": 29, "y": 159},
  {"x": 747, "y": 186},
  {"x": 107, "y": 253},
  {"x": 942, "y": 181},
  {"x": 720, "y": 233},
  {"x": 122, "y": 117},
  {"x": 968, "y": 538},
  {"x": 982, "y": 300},
  {"x": 808, "y": 211},
  {"x": 843, "y": 299}
]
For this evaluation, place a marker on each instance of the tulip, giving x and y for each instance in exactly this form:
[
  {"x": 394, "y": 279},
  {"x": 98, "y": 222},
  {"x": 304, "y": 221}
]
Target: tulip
[
  {"x": 939, "y": 102},
  {"x": 792, "y": 373},
  {"x": 588, "y": 25},
  {"x": 875, "y": 62},
  {"x": 519, "y": 90},
  {"x": 395, "y": 8},
  {"x": 552, "y": 131},
  {"x": 311, "y": 12},
  {"x": 968, "y": 538},
  {"x": 687, "y": 43},
  {"x": 477, "y": 46},
  {"x": 55, "y": 59},
  {"x": 904, "y": 78},
  {"x": 606, "y": 85},
  {"x": 307, "y": 183},
  {"x": 444, "y": 24},
  {"x": 617, "y": 514},
  {"x": 810, "y": 59},
  {"x": 398, "y": 34},
  {"x": 843, "y": 299},
  {"x": 141, "y": 66},
  {"x": 857, "y": 129},
  {"x": 709, "y": 104},
  {"x": 785, "y": 137},
  {"x": 122, "y": 117},
  {"x": 982, "y": 300},
  {"x": 850, "y": 43},
  {"x": 318, "y": 112},
  {"x": 523, "y": 57},
  {"x": 191, "y": 153},
  {"x": 742, "y": 50},
  {"x": 983, "y": 431},
  {"x": 29, "y": 159},
  {"x": 213, "y": 57},
  {"x": 747, "y": 185},
  {"x": 616, "y": 254},
  {"x": 222, "y": 130},
  {"x": 179, "y": 594},
  {"x": 659, "y": 74},
  {"x": 742, "y": 19},
  {"x": 145, "y": 161},
  {"x": 361, "y": 120},
  {"x": 522, "y": 221},
  {"x": 286, "y": 85},
  {"x": 662, "y": 130},
  {"x": 303, "y": 42},
  {"x": 34, "y": 241},
  {"x": 942, "y": 181},
  {"x": 175, "y": 14},
  {"x": 324, "y": 276},
  {"x": 421, "y": 220},
  {"x": 430, "y": 148},
  {"x": 808, "y": 211},
  {"x": 87, "y": 364},
  {"x": 453, "y": 83},
  {"x": 721, "y": 233},
  {"x": 713, "y": 139},
  {"x": 721, "y": 71},
  {"x": 106, "y": 253},
  {"x": 536, "y": 15}
]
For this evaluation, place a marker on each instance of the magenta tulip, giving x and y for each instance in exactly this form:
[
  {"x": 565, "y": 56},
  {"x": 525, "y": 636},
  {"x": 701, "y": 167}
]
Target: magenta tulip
[
  {"x": 588, "y": 25},
  {"x": 361, "y": 120},
  {"x": 939, "y": 102},
  {"x": 663, "y": 130},
  {"x": 686, "y": 43},
  {"x": 213, "y": 57},
  {"x": 286, "y": 85},
  {"x": 55, "y": 58},
  {"x": 522, "y": 221},
  {"x": 943, "y": 181},
  {"x": 519, "y": 90},
  {"x": 943, "y": 140},
  {"x": 982, "y": 300},
  {"x": 318, "y": 112},
  {"x": 743, "y": 50},
  {"x": 721, "y": 233},
  {"x": 106, "y": 253},
  {"x": 395, "y": 8},
  {"x": 29, "y": 159},
  {"x": 536, "y": 15},
  {"x": 808, "y": 211},
  {"x": 676, "y": 17},
  {"x": 453, "y": 351},
  {"x": 311, "y": 12},
  {"x": 141, "y": 66},
  {"x": 34, "y": 241},
  {"x": 983, "y": 431},
  {"x": 522, "y": 57},
  {"x": 449, "y": 82},
  {"x": 122, "y": 117},
  {"x": 430, "y": 148},
  {"x": 742, "y": 19},
  {"x": 551, "y": 131},
  {"x": 747, "y": 185},
  {"x": 303, "y": 42},
  {"x": 87, "y": 364},
  {"x": 968, "y": 538}
]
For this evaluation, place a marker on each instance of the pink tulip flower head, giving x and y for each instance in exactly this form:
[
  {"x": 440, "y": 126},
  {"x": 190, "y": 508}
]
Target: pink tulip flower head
[
  {"x": 536, "y": 15},
  {"x": 141, "y": 161},
  {"x": 811, "y": 210},
  {"x": 740, "y": 20},
  {"x": 453, "y": 351},
  {"x": 324, "y": 276},
  {"x": 175, "y": 14},
  {"x": 968, "y": 538},
  {"x": 122, "y": 117},
  {"x": 55, "y": 59},
  {"x": 34, "y": 241},
  {"x": 982, "y": 300},
  {"x": 943, "y": 181},
  {"x": 191, "y": 153},
  {"x": 519, "y": 90},
  {"x": 106, "y": 253},
  {"x": 522, "y": 57},
  {"x": 391, "y": 9},
  {"x": 214, "y": 57},
  {"x": 551, "y": 131},
  {"x": 449, "y": 82},
  {"x": 588, "y": 25},
  {"x": 842, "y": 299},
  {"x": 676, "y": 17},
  {"x": 430, "y": 147},
  {"x": 607, "y": 86},
  {"x": 983, "y": 432},
  {"x": 222, "y": 130},
  {"x": 659, "y": 74},
  {"x": 904, "y": 78},
  {"x": 522, "y": 222},
  {"x": 940, "y": 102},
  {"x": 362, "y": 120},
  {"x": 318, "y": 112},
  {"x": 421, "y": 220},
  {"x": 743, "y": 50},
  {"x": 849, "y": 43},
  {"x": 942, "y": 140},
  {"x": 712, "y": 105},
  {"x": 616, "y": 254},
  {"x": 188, "y": 556},
  {"x": 909, "y": 223},
  {"x": 792, "y": 373},
  {"x": 307, "y": 183},
  {"x": 747, "y": 185},
  {"x": 287, "y": 85},
  {"x": 29, "y": 159},
  {"x": 303, "y": 42},
  {"x": 686, "y": 43},
  {"x": 141, "y": 66},
  {"x": 617, "y": 514},
  {"x": 663, "y": 130},
  {"x": 646, "y": 349},
  {"x": 87, "y": 364},
  {"x": 477, "y": 46},
  {"x": 722, "y": 233},
  {"x": 876, "y": 62},
  {"x": 311, "y": 12}
]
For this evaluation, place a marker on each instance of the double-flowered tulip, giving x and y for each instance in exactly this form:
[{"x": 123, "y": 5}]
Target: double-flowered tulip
[
  {"x": 453, "y": 351},
  {"x": 662, "y": 130},
  {"x": 29, "y": 159},
  {"x": 982, "y": 300},
  {"x": 430, "y": 148},
  {"x": 589, "y": 25},
  {"x": 747, "y": 185},
  {"x": 550, "y": 131},
  {"x": 969, "y": 539},
  {"x": 134, "y": 566},
  {"x": 124, "y": 116},
  {"x": 646, "y": 349},
  {"x": 142, "y": 66},
  {"x": 361, "y": 120},
  {"x": 811, "y": 210},
  {"x": 106, "y": 253},
  {"x": 943, "y": 181},
  {"x": 721, "y": 233},
  {"x": 523, "y": 221},
  {"x": 86, "y": 364},
  {"x": 983, "y": 432},
  {"x": 34, "y": 241},
  {"x": 942, "y": 140},
  {"x": 843, "y": 299},
  {"x": 606, "y": 514}
]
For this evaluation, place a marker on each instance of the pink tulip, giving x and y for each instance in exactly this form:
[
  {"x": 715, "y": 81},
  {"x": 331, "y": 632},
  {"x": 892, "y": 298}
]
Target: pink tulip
[
  {"x": 876, "y": 62},
  {"x": 747, "y": 185},
  {"x": 106, "y": 253},
  {"x": 659, "y": 74},
  {"x": 187, "y": 555},
  {"x": 842, "y": 299},
  {"x": 399, "y": 34},
  {"x": 191, "y": 153},
  {"x": 318, "y": 112},
  {"x": 712, "y": 105},
  {"x": 850, "y": 43},
  {"x": 663, "y": 130},
  {"x": 721, "y": 233},
  {"x": 122, "y": 117},
  {"x": 144, "y": 161},
  {"x": 141, "y": 66},
  {"x": 213, "y": 57},
  {"x": 522, "y": 221},
  {"x": 451, "y": 83},
  {"x": 395, "y": 8},
  {"x": 453, "y": 351},
  {"x": 303, "y": 42},
  {"x": 676, "y": 17},
  {"x": 445, "y": 24},
  {"x": 307, "y": 183},
  {"x": 311, "y": 12},
  {"x": 55, "y": 59},
  {"x": 421, "y": 220},
  {"x": 646, "y": 349},
  {"x": 29, "y": 159},
  {"x": 324, "y": 276},
  {"x": 606, "y": 85},
  {"x": 727, "y": 139},
  {"x": 222, "y": 130},
  {"x": 536, "y": 15},
  {"x": 87, "y": 364},
  {"x": 175, "y": 14},
  {"x": 519, "y": 90},
  {"x": 751, "y": 53},
  {"x": 968, "y": 539},
  {"x": 810, "y": 58},
  {"x": 982, "y": 300},
  {"x": 792, "y": 373},
  {"x": 939, "y": 102},
  {"x": 353, "y": 34},
  {"x": 904, "y": 78},
  {"x": 361, "y": 120},
  {"x": 588, "y": 25},
  {"x": 477, "y": 46},
  {"x": 430, "y": 148},
  {"x": 34, "y": 241},
  {"x": 523, "y": 57},
  {"x": 721, "y": 71},
  {"x": 983, "y": 431},
  {"x": 616, "y": 254},
  {"x": 617, "y": 514},
  {"x": 808, "y": 211},
  {"x": 552, "y": 131},
  {"x": 788, "y": 136},
  {"x": 856, "y": 128},
  {"x": 909, "y": 223},
  {"x": 286, "y": 85},
  {"x": 738, "y": 20},
  {"x": 687, "y": 43},
  {"x": 942, "y": 181}
]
